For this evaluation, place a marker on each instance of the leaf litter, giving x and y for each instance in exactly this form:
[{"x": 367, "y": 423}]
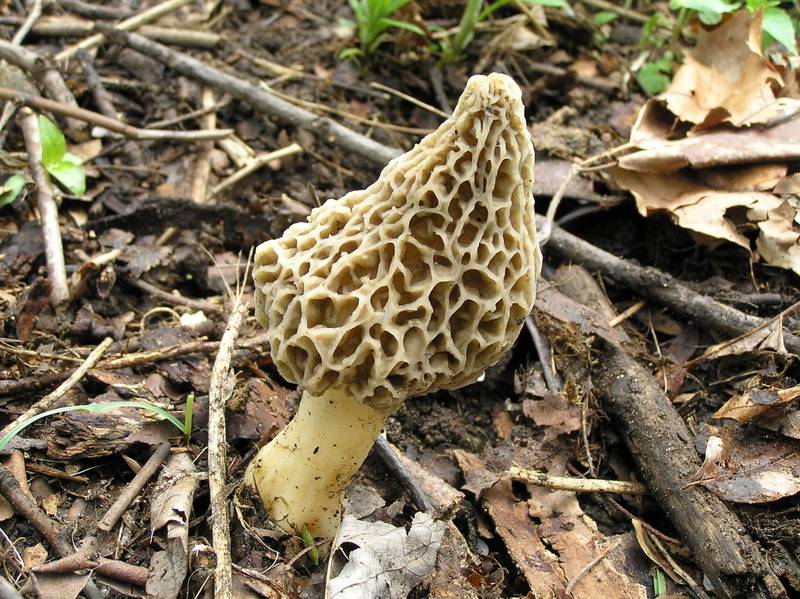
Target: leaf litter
[{"x": 715, "y": 148}]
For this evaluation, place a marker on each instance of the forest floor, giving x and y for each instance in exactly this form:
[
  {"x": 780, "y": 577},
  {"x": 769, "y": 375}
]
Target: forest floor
[{"x": 661, "y": 351}]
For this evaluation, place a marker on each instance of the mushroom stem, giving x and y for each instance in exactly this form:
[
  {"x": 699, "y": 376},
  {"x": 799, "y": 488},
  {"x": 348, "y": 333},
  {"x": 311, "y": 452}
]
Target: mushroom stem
[{"x": 301, "y": 475}]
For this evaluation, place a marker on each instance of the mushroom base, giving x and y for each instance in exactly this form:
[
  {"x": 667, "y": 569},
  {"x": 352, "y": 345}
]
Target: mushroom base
[{"x": 301, "y": 475}]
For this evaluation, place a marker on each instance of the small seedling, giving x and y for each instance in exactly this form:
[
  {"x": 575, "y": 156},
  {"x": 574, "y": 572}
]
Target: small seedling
[
  {"x": 64, "y": 167},
  {"x": 10, "y": 190},
  {"x": 308, "y": 542},
  {"x": 373, "y": 20},
  {"x": 188, "y": 416},
  {"x": 659, "y": 583},
  {"x": 100, "y": 407}
]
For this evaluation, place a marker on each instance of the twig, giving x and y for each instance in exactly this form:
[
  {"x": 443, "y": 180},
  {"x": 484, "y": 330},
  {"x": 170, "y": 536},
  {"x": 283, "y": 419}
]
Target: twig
[
  {"x": 546, "y": 228},
  {"x": 101, "y": 96},
  {"x": 173, "y": 298},
  {"x": 407, "y": 98},
  {"x": 662, "y": 288},
  {"x": 202, "y": 167},
  {"x": 399, "y": 473},
  {"x": 576, "y": 485},
  {"x": 136, "y": 359},
  {"x": 255, "y": 164},
  {"x": 585, "y": 570},
  {"x": 27, "y": 508},
  {"x": 220, "y": 389},
  {"x": 617, "y": 8},
  {"x": 101, "y": 120},
  {"x": 33, "y": 14},
  {"x": 542, "y": 346},
  {"x": 134, "y": 487},
  {"x": 48, "y": 211},
  {"x": 51, "y": 398},
  {"x": 48, "y": 75},
  {"x": 147, "y": 16},
  {"x": 94, "y": 11},
  {"x": 256, "y": 97}
]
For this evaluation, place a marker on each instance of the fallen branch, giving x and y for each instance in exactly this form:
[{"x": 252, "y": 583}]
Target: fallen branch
[
  {"x": 255, "y": 96},
  {"x": 48, "y": 211},
  {"x": 661, "y": 287},
  {"x": 102, "y": 120},
  {"x": 663, "y": 448}
]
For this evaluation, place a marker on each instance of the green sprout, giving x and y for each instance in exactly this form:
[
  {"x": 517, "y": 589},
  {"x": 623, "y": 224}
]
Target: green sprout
[
  {"x": 63, "y": 167},
  {"x": 308, "y": 542},
  {"x": 11, "y": 188},
  {"x": 373, "y": 20},
  {"x": 183, "y": 427}
]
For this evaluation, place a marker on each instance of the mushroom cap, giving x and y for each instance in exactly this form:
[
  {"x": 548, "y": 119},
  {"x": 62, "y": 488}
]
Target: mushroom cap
[{"x": 422, "y": 280}]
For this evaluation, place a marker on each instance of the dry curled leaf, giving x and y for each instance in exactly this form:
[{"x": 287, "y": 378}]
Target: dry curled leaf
[{"x": 389, "y": 561}]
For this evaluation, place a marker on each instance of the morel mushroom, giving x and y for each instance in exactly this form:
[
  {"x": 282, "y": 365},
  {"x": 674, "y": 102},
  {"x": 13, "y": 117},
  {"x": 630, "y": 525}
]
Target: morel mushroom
[{"x": 419, "y": 282}]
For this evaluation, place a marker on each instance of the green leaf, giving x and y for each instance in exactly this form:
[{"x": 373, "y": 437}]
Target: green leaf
[
  {"x": 351, "y": 54},
  {"x": 387, "y": 23},
  {"x": 654, "y": 76},
  {"x": 70, "y": 174},
  {"x": 659, "y": 583},
  {"x": 708, "y": 6},
  {"x": 9, "y": 191},
  {"x": 778, "y": 24},
  {"x": 95, "y": 407},
  {"x": 604, "y": 17},
  {"x": 54, "y": 146}
]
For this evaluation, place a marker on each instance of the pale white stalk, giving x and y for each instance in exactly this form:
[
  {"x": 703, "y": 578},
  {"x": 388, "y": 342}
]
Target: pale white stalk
[{"x": 302, "y": 474}]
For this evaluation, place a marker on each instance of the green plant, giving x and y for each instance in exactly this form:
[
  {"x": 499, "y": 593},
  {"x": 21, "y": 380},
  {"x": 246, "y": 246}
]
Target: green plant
[
  {"x": 451, "y": 49},
  {"x": 659, "y": 583},
  {"x": 61, "y": 165},
  {"x": 184, "y": 427},
  {"x": 373, "y": 20},
  {"x": 9, "y": 191}
]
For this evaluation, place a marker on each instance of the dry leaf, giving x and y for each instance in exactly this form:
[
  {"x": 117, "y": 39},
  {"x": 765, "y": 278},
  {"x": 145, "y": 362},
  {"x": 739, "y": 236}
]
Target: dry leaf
[
  {"x": 755, "y": 402},
  {"x": 746, "y": 469},
  {"x": 726, "y": 78},
  {"x": 389, "y": 561}
]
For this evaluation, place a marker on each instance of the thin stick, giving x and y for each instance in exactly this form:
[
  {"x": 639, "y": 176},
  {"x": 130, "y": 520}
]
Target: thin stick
[
  {"x": 255, "y": 96},
  {"x": 33, "y": 14},
  {"x": 202, "y": 168},
  {"x": 172, "y": 298},
  {"x": 51, "y": 398},
  {"x": 255, "y": 164},
  {"x": 134, "y": 487},
  {"x": 147, "y": 16},
  {"x": 48, "y": 211},
  {"x": 585, "y": 570},
  {"x": 27, "y": 508},
  {"x": 102, "y": 120},
  {"x": 399, "y": 472},
  {"x": 135, "y": 359},
  {"x": 218, "y": 394},
  {"x": 407, "y": 98},
  {"x": 94, "y": 11},
  {"x": 576, "y": 485}
]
